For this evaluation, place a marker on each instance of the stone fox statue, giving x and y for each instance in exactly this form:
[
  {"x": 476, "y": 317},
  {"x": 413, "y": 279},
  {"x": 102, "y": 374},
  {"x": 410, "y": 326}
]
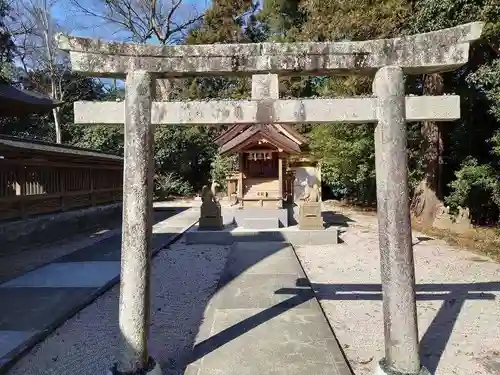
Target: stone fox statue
[
  {"x": 314, "y": 194},
  {"x": 209, "y": 194},
  {"x": 213, "y": 188},
  {"x": 206, "y": 194},
  {"x": 311, "y": 194}
]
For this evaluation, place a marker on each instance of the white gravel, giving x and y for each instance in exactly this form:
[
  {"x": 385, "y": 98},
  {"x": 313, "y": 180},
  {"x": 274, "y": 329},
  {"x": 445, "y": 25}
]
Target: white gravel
[
  {"x": 474, "y": 344},
  {"x": 183, "y": 280}
]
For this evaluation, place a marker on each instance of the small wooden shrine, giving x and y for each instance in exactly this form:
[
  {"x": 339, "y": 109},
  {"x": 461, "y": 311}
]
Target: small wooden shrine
[{"x": 264, "y": 178}]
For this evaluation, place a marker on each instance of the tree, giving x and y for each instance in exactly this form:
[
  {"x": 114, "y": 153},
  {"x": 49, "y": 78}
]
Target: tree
[
  {"x": 166, "y": 22},
  {"x": 430, "y": 15},
  {"x": 346, "y": 151},
  {"x": 186, "y": 152},
  {"x": 354, "y": 19},
  {"x": 282, "y": 20},
  {"x": 37, "y": 52},
  {"x": 225, "y": 21},
  {"x": 7, "y": 46}
]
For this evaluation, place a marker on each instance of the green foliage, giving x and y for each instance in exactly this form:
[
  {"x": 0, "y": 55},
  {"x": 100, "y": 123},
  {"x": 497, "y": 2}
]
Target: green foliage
[
  {"x": 495, "y": 142},
  {"x": 103, "y": 138},
  {"x": 347, "y": 159},
  {"x": 186, "y": 151},
  {"x": 222, "y": 167},
  {"x": 430, "y": 15},
  {"x": 476, "y": 186},
  {"x": 170, "y": 184},
  {"x": 486, "y": 79}
]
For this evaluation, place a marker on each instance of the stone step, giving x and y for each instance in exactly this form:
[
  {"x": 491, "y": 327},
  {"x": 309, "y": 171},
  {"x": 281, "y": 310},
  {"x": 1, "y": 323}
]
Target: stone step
[{"x": 261, "y": 222}]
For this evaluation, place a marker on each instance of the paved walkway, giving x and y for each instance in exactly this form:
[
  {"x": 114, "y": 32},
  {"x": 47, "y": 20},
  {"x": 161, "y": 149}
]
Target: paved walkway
[
  {"x": 35, "y": 303},
  {"x": 265, "y": 319}
]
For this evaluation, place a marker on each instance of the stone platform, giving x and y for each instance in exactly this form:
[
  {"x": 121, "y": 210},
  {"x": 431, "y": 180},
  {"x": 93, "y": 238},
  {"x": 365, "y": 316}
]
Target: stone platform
[
  {"x": 291, "y": 235},
  {"x": 278, "y": 218},
  {"x": 265, "y": 319}
]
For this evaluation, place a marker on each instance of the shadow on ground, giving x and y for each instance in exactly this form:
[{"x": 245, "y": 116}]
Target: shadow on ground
[
  {"x": 17, "y": 263},
  {"x": 332, "y": 218},
  {"x": 453, "y": 297}
]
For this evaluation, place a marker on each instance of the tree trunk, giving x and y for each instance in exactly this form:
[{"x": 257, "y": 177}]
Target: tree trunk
[
  {"x": 428, "y": 194},
  {"x": 57, "y": 124},
  {"x": 55, "y": 111}
]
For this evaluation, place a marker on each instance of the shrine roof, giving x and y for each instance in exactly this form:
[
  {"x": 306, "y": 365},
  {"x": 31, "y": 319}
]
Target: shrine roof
[
  {"x": 255, "y": 133},
  {"x": 16, "y": 102},
  {"x": 282, "y": 130}
]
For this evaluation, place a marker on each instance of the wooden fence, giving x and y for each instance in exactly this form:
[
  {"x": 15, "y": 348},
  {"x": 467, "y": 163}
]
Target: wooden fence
[{"x": 30, "y": 185}]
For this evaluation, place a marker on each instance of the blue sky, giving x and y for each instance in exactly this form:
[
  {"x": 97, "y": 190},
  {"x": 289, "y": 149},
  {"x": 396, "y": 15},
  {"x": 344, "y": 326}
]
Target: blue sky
[{"x": 76, "y": 24}]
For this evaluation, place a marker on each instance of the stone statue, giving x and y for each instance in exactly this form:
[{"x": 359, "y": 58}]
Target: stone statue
[
  {"x": 310, "y": 209},
  {"x": 214, "y": 187},
  {"x": 207, "y": 195},
  {"x": 313, "y": 194},
  {"x": 210, "y": 210}
]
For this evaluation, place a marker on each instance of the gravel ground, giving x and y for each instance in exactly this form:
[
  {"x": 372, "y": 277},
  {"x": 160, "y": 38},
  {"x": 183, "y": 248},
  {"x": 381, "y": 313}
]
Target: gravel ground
[
  {"x": 183, "y": 279},
  {"x": 458, "y": 300}
]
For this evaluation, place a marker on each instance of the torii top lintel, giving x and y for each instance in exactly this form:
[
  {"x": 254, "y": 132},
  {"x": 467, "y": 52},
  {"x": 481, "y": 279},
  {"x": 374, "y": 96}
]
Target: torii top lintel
[{"x": 437, "y": 51}]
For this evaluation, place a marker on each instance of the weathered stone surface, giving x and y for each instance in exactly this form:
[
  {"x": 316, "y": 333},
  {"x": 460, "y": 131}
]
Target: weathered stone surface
[
  {"x": 430, "y": 52},
  {"x": 137, "y": 223},
  {"x": 237, "y": 216},
  {"x": 265, "y": 86},
  {"x": 395, "y": 241},
  {"x": 295, "y": 237},
  {"x": 310, "y": 216},
  {"x": 261, "y": 222},
  {"x": 163, "y": 90},
  {"x": 305, "y": 111},
  {"x": 381, "y": 369}
]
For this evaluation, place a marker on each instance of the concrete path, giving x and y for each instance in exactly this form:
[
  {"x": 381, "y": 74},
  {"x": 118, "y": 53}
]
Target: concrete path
[
  {"x": 265, "y": 319},
  {"x": 39, "y": 301}
]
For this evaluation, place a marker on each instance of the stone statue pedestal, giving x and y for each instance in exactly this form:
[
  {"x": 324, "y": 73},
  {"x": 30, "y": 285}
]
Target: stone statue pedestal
[
  {"x": 310, "y": 216},
  {"x": 210, "y": 216}
]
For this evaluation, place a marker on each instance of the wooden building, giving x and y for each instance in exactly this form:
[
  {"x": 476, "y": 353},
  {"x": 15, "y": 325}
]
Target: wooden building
[
  {"x": 266, "y": 175},
  {"x": 40, "y": 177}
]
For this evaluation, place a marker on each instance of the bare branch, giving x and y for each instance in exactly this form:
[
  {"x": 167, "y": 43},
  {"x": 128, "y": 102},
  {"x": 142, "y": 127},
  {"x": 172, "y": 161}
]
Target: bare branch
[{"x": 142, "y": 19}]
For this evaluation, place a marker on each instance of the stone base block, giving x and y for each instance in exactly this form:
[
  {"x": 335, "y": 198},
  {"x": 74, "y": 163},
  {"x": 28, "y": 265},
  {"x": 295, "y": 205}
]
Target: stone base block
[
  {"x": 211, "y": 223},
  {"x": 318, "y": 237},
  {"x": 296, "y": 238},
  {"x": 153, "y": 369},
  {"x": 237, "y": 216},
  {"x": 311, "y": 223},
  {"x": 310, "y": 216},
  {"x": 382, "y": 369},
  {"x": 261, "y": 223}
]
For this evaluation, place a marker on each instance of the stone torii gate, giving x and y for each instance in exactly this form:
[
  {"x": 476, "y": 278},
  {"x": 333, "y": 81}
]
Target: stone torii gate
[{"x": 387, "y": 59}]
